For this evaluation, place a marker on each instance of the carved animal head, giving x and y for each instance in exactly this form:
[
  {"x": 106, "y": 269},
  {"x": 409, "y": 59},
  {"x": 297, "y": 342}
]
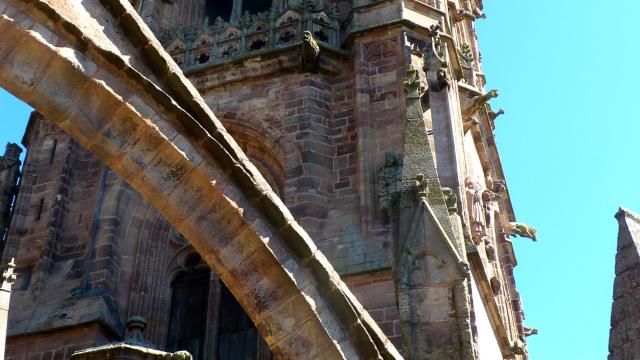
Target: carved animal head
[{"x": 307, "y": 36}]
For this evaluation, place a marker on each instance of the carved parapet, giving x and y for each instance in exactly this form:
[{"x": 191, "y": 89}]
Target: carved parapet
[{"x": 218, "y": 41}]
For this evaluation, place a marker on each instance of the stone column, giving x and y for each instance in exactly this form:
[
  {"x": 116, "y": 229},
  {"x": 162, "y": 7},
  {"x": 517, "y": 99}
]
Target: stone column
[{"x": 5, "y": 294}]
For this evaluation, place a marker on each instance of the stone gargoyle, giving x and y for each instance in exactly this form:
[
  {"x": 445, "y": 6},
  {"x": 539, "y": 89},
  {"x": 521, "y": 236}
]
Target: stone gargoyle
[{"x": 520, "y": 229}]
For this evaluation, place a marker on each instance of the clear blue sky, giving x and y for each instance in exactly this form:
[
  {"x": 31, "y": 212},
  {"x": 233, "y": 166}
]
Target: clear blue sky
[{"x": 570, "y": 146}]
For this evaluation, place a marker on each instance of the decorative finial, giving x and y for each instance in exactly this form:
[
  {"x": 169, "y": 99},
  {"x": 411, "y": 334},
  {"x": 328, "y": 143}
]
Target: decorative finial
[{"x": 136, "y": 326}]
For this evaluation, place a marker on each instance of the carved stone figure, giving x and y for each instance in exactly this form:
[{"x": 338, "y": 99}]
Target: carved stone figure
[
  {"x": 478, "y": 13},
  {"x": 490, "y": 206},
  {"x": 520, "y": 229},
  {"x": 309, "y": 53},
  {"x": 478, "y": 102},
  {"x": 389, "y": 181},
  {"x": 464, "y": 15},
  {"x": 477, "y": 212},
  {"x": 450, "y": 199},
  {"x": 518, "y": 347}
]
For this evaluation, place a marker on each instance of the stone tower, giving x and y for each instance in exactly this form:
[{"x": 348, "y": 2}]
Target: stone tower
[
  {"x": 370, "y": 119},
  {"x": 624, "y": 342},
  {"x": 9, "y": 176}
]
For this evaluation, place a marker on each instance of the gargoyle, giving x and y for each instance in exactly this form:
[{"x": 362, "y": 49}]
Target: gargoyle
[
  {"x": 494, "y": 114},
  {"x": 464, "y": 15},
  {"x": 477, "y": 102},
  {"x": 309, "y": 53},
  {"x": 479, "y": 14},
  {"x": 520, "y": 229},
  {"x": 530, "y": 331}
]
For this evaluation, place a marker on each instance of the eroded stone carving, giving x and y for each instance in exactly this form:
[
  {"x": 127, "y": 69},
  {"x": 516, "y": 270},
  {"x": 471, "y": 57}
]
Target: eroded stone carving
[
  {"x": 489, "y": 202},
  {"x": 389, "y": 182},
  {"x": 477, "y": 212},
  {"x": 450, "y": 199},
  {"x": 520, "y": 229}
]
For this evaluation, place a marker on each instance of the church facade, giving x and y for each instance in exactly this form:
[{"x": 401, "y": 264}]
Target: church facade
[{"x": 369, "y": 119}]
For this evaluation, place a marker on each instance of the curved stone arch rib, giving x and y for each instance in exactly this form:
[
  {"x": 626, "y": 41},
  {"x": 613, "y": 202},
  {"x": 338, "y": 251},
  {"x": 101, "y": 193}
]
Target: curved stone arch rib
[
  {"x": 279, "y": 149},
  {"x": 265, "y": 154},
  {"x": 189, "y": 169}
]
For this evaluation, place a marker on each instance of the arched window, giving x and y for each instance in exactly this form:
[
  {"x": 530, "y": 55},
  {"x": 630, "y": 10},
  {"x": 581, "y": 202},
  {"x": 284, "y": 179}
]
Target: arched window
[
  {"x": 238, "y": 338},
  {"x": 189, "y": 300},
  {"x": 222, "y": 332}
]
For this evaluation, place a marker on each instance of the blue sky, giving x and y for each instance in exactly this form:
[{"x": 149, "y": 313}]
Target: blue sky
[{"x": 567, "y": 73}]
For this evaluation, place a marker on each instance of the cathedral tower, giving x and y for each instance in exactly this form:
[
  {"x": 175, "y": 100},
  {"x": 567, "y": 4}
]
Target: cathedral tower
[{"x": 369, "y": 119}]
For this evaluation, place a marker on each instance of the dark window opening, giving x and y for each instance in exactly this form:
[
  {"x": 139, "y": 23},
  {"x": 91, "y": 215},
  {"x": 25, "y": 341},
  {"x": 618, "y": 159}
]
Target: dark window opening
[
  {"x": 39, "y": 209},
  {"x": 321, "y": 35},
  {"x": 203, "y": 58},
  {"x": 286, "y": 37},
  {"x": 238, "y": 338},
  {"x": 257, "y": 44},
  {"x": 188, "y": 320},
  {"x": 255, "y": 6},
  {"x": 53, "y": 151},
  {"x": 219, "y": 8}
]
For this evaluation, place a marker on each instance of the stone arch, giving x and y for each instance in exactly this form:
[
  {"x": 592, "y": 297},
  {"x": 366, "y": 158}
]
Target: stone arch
[{"x": 156, "y": 133}]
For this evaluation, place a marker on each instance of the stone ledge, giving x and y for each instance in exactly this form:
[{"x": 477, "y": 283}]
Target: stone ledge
[{"x": 127, "y": 351}]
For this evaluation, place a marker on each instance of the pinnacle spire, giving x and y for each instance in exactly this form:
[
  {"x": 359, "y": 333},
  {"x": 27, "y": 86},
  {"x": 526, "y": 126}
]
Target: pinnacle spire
[{"x": 622, "y": 339}]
